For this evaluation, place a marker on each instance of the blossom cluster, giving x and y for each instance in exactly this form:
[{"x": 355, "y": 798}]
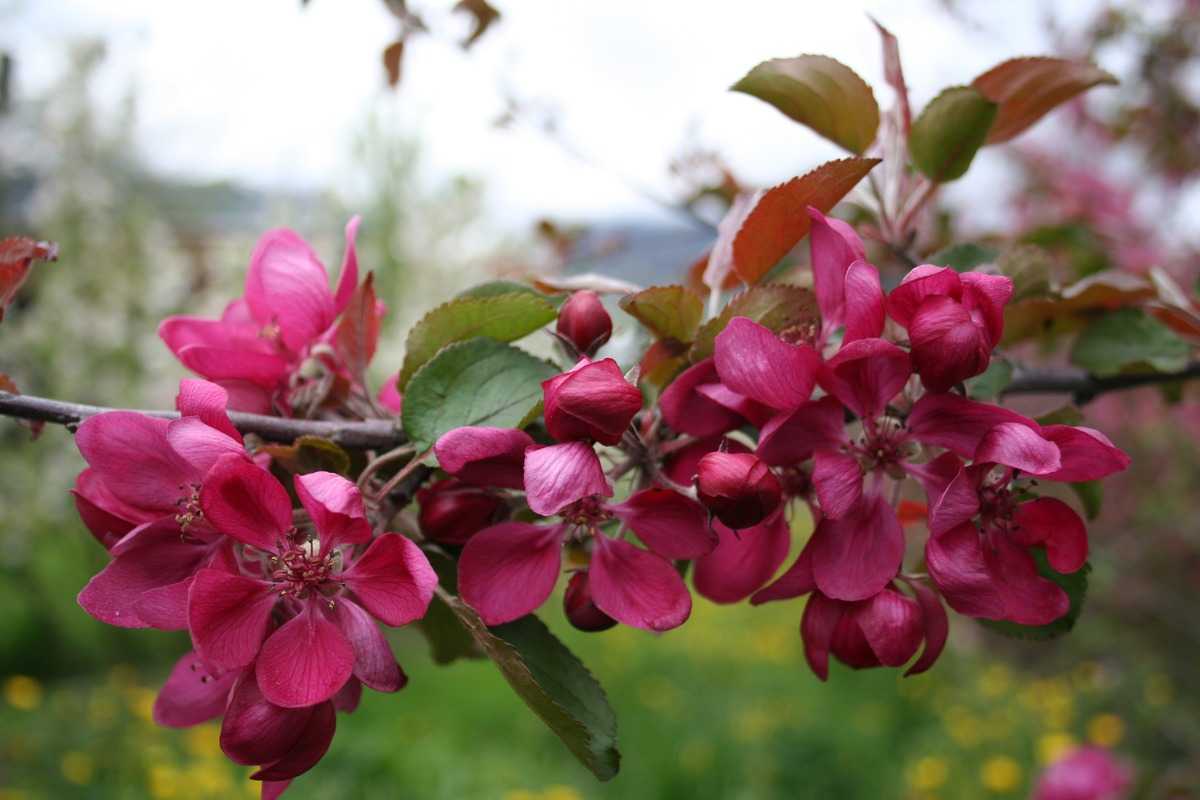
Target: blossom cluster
[{"x": 281, "y": 584}]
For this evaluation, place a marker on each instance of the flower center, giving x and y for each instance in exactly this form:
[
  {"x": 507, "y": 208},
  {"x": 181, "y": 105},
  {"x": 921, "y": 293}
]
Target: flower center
[
  {"x": 997, "y": 501},
  {"x": 189, "y": 507},
  {"x": 300, "y": 569},
  {"x": 884, "y": 445},
  {"x": 586, "y": 515}
]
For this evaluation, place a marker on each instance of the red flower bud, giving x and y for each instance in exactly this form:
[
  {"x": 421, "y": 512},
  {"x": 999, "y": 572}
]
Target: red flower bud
[
  {"x": 583, "y": 322},
  {"x": 579, "y": 608},
  {"x": 452, "y": 511},
  {"x": 592, "y": 401},
  {"x": 738, "y": 488}
]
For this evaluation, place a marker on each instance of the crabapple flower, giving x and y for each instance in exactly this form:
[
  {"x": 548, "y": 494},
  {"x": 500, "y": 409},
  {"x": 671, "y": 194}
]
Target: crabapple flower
[
  {"x": 579, "y": 608},
  {"x": 279, "y": 334},
  {"x": 1085, "y": 773},
  {"x": 584, "y": 322},
  {"x": 697, "y": 403},
  {"x": 325, "y": 595},
  {"x": 452, "y": 511},
  {"x": 743, "y": 559},
  {"x": 738, "y": 488},
  {"x": 484, "y": 456},
  {"x": 849, "y": 294},
  {"x": 591, "y": 401},
  {"x": 953, "y": 321}
]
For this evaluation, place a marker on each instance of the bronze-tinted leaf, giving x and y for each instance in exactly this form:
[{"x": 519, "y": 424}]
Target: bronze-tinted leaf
[
  {"x": 1026, "y": 89},
  {"x": 778, "y": 306},
  {"x": 671, "y": 312},
  {"x": 358, "y": 330},
  {"x": 17, "y": 255},
  {"x": 483, "y": 15}
]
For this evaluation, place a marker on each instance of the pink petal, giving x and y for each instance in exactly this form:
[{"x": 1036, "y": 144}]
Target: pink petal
[
  {"x": 821, "y": 617},
  {"x": 1055, "y": 524},
  {"x": 484, "y": 456},
  {"x": 336, "y": 508},
  {"x": 956, "y": 423},
  {"x": 865, "y": 375},
  {"x": 756, "y": 413},
  {"x": 834, "y": 247},
  {"x": 936, "y": 627},
  {"x": 891, "y": 624},
  {"x": 839, "y": 483},
  {"x": 754, "y": 362},
  {"x": 200, "y": 445},
  {"x": 637, "y": 587},
  {"x": 243, "y": 500},
  {"x": 256, "y": 731},
  {"x": 192, "y": 694},
  {"x": 226, "y": 364},
  {"x": 389, "y": 395},
  {"x": 560, "y": 474},
  {"x": 311, "y": 746},
  {"x": 856, "y": 556},
  {"x": 988, "y": 294},
  {"x": 129, "y": 453},
  {"x": 864, "y": 311},
  {"x": 687, "y": 410},
  {"x": 374, "y": 663},
  {"x": 592, "y": 401},
  {"x": 947, "y": 346},
  {"x": 228, "y": 617},
  {"x": 209, "y": 402},
  {"x": 159, "y": 557},
  {"x": 668, "y": 523},
  {"x": 1020, "y": 447},
  {"x": 1029, "y": 599},
  {"x": 958, "y": 501},
  {"x": 743, "y": 561},
  {"x": 682, "y": 465},
  {"x": 180, "y": 332},
  {"x": 165, "y": 607},
  {"x": 306, "y": 661},
  {"x": 287, "y": 285},
  {"x": 1087, "y": 454},
  {"x": 249, "y": 397},
  {"x": 921, "y": 282},
  {"x": 348, "y": 277},
  {"x": 1086, "y": 773},
  {"x": 957, "y": 565},
  {"x": 393, "y": 580},
  {"x": 796, "y": 580},
  {"x": 349, "y": 696},
  {"x": 509, "y": 569},
  {"x": 106, "y": 517},
  {"x": 273, "y": 790},
  {"x": 790, "y": 438}
]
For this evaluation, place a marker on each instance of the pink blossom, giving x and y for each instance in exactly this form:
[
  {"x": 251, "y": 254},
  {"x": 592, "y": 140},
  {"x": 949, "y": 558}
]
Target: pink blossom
[
  {"x": 1086, "y": 773},
  {"x": 584, "y": 323},
  {"x": 591, "y": 401},
  {"x": 738, "y": 488}
]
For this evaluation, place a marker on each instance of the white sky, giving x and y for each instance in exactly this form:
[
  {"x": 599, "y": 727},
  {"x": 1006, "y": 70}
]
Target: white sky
[{"x": 271, "y": 94}]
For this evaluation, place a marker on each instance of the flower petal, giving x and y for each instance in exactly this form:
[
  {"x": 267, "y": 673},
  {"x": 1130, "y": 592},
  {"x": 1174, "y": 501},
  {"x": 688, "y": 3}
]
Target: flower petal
[
  {"x": 227, "y": 364},
  {"x": 792, "y": 437},
  {"x": 864, "y": 310},
  {"x": 796, "y": 580},
  {"x": 743, "y": 561},
  {"x": 560, "y": 474},
  {"x": 754, "y": 362},
  {"x": 891, "y": 624},
  {"x": 956, "y": 423},
  {"x": 688, "y": 410},
  {"x": 484, "y": 456},
  {"x": 1087, "y": 454},
  {"x": 682, "y": 465},
  {"x": 956, "y": 564},
  {"x": 393, "y": 580},
  {"x": 1029, "y": 599},
  {"x": 306, "y": 661},
  {"x": 668, "y": 523},
  {"x": 921, "y": 282},
  {"x": 244, "y": 501},
  {"x": 936, "y": 626},
  {"x": 209, "y": 402},
  {"x": 856, "y": 556},
  {"x": 228, "y": 617},
  {"x": 336, "y": 508},
  {"x": 988, "y": 294},
  {"x": 865, "y": 375},
  {"x": 106, "y": 517},
  {"x": 129, "y": 453},
  {"x": 165, "y": 607},
  {"x": 1020, "y": 447},
  {"x": 834, "y": 246},
  {"x": 509, "y": 569},
  {"x": 1053, "y": 523},
  {"x": 256, "y": 731},
  {"x": 374, "y": 663},
  {"x": 821, "y": 617},
  {"x": 947, "y": 345},
  {"x": 311, "y": 746},
  {"x": 839, "y": 483},
  {"x": 637, "y": 587},
  {"x": 287, "y": 285},
  {"x": 348, "y": 277},
  {"x": 192, "y": 694},
  {"x": 200, "y": 444}
]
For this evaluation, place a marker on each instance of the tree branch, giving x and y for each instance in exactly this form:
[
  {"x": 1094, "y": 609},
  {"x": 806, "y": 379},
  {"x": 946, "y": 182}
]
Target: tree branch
[
  {"x": 1085, "y": 387},
  {"x": 376, "y": 434}
]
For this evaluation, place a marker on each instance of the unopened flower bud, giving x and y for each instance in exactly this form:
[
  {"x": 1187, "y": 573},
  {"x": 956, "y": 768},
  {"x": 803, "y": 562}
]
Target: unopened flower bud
[
  {"x": 592, "y": 401},
  {"x": 738, "y": 488},
  {"x": 584, "y": 323},
  {"x": 579, "y": 608},
  {"x": 452, "y": 511}
]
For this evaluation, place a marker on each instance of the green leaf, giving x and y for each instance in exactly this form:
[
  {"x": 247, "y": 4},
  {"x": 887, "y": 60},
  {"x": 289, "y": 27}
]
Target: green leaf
[
  {"x": 821, "y": 93},
  {"x": 1128, "y": 339},
  {"x": 553, "y": 683},
  {"x": 964, "y": 257},
  {"x": 949, "y": 131},
  {"x": 493, "y": 288},
  {"x": 476, "y": 382},
  {"x": 1091, "y": 495},
  {"x": 309, "y": 454},
  {"x": 449, "y": 640},
  {"x": 1075, "y": 585},
  {"x": 503, "y": 317},
  {"x": 777, "y": 306},
  {"x": 992, "y": 382},
  {"x": 670, "y": 312}
]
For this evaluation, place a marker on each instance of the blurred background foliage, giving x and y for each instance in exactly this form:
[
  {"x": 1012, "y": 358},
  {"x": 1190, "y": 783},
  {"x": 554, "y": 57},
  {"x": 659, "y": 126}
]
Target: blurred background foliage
[{"x": 722, "y": 708}]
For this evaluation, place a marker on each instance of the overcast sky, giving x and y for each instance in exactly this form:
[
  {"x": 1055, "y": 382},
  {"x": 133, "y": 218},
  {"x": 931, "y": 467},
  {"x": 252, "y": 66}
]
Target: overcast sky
[{"x": 272, "y": 94}]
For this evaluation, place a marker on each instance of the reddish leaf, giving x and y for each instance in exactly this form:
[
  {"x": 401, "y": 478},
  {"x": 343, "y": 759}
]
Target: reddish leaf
[
  {"x": 1063, "y": 310},
  {"x": 662, "y": 362},
  {"x": 893, "y": 72},
  {"x": 358, "y": 330},
  {"x": 484, "y": 14},
  {"x": 392, "y": 56},
  {"x": 1026, "y": 89},
  {"x": 17, "y": 255},
  {"x": 779, "y": 219}
]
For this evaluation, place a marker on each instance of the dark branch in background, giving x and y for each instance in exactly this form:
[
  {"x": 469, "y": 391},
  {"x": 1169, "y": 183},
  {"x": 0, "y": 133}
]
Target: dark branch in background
[
  {"x": 382, "y": 435},
  {"x": 377, "y": 434}
]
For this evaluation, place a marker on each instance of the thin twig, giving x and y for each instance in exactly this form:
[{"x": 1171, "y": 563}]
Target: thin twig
[{"x": 1083, "y": 386}]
